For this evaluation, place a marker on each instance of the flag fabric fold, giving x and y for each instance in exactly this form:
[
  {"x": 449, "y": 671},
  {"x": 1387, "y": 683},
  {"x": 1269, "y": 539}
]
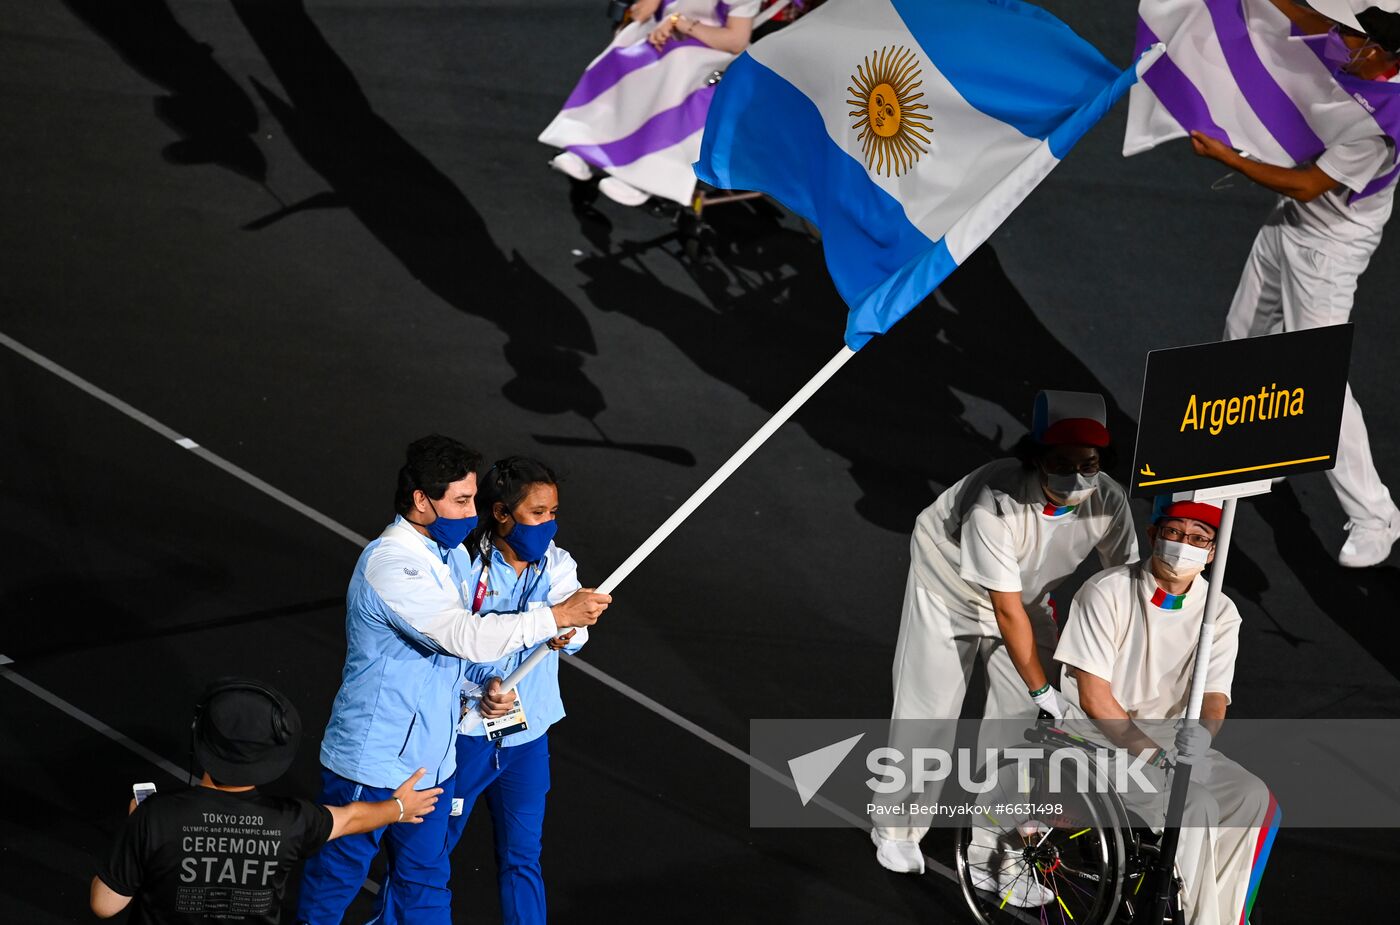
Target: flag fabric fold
[
  {"x": 906, "y": 131},
  {"x": 1240, "y": 71}
]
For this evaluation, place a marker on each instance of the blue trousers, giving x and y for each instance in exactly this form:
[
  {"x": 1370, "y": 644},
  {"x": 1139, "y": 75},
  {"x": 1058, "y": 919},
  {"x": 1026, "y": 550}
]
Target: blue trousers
[
  {"x": 417, "y": 887},
  {"x": 514, "y": 780}
]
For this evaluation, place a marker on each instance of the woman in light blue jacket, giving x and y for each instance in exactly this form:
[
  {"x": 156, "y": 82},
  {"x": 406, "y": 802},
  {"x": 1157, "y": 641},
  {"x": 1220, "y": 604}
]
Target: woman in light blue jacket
[{"x": 516, "y": 566}]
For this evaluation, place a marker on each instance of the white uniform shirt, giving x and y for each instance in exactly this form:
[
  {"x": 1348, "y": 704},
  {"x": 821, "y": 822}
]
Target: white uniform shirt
[
  {"x": 1146, "y": 653},
  {"x": 990, "y": 532},
  {"x": 1332, "y": 223}
]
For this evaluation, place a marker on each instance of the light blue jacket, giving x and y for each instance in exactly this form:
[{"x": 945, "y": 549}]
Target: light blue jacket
[
  {"x": 408, "y": 627},
  {"x": 548, "y": 581}
]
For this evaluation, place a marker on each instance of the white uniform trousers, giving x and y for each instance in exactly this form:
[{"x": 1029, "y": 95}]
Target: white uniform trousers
[
  {"x": 1290, "y": 287},
  {"x": 1220, "y": 837},
  {"x": 934, "y": 659}
]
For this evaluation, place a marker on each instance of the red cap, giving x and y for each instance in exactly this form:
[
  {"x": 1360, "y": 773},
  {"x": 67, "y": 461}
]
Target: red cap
[{"x": 1207, "y": 513}]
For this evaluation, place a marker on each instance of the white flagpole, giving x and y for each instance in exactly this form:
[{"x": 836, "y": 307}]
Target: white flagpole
[{"x": 658, "y": 536}]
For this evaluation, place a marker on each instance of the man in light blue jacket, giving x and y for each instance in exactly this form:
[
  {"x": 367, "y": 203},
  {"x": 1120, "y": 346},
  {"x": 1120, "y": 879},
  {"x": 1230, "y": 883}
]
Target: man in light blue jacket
[{"x": 410, "y": 623}]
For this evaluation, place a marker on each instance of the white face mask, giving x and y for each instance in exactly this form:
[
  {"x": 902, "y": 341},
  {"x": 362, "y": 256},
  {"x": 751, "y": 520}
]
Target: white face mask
[
  {"x": 1074, "y": 489},
  {"x": 1179, "y": 561}
]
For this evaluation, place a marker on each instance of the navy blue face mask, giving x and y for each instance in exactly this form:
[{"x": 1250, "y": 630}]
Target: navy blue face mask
[
  {"x": 531, "y": 540},
  {"x": 450, "y": 532}
]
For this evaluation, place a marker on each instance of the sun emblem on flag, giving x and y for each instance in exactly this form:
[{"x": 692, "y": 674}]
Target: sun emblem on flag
[{"x": 891, "y": 121}]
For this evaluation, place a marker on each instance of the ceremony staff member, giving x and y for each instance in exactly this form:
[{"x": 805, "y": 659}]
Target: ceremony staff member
[
  {"x": 203, "y": 853},
  {"x": 1303, "y": 268},
  {"x": 1129, "y": 649},
  {"x": 408, "y": 627},
  {"x": 984, "y": 559},
  {"x": 517, "y": 565}
]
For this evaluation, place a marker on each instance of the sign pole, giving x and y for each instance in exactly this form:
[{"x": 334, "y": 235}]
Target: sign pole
[{"x": 1181, "y": 776}]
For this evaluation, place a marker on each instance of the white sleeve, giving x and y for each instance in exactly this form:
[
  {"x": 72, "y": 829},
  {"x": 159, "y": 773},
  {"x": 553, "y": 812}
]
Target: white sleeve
[
  {"x": 1355, "y": 163},
  {"x": 988, "y": 555},
  {"x": 745, "y": 9},
  {"x": 563, "y": 574},
  {"x": 563, "y": 582},
  {"x": 1119, "y": 545},
  {"x": 1225, "y": 646},
  {"x": 435, "y": 614},
  {"x": 1092, "y": 634}
]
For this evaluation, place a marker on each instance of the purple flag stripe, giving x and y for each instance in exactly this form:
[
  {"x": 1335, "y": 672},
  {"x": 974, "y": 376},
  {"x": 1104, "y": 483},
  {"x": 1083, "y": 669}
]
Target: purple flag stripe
[
  {"x": 617, "y": 64},
  {"x": 1382, "y": 98},
  {"x": 660, "y": 131},
  {"x": 1175, "y": 91},
  {"x": 1268, "y": 100}
]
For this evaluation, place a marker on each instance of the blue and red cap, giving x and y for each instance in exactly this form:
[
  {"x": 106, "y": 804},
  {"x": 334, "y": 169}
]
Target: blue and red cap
[{"x": 1077, "y": 418}]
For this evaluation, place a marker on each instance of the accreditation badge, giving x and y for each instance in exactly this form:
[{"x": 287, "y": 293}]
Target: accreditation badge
[{"x": 511, "y": 723}]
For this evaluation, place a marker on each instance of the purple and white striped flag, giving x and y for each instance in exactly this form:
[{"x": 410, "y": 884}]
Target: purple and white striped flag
[
  {"x": 1241, "y": 72},
  {"x": 638, "y": 112}
]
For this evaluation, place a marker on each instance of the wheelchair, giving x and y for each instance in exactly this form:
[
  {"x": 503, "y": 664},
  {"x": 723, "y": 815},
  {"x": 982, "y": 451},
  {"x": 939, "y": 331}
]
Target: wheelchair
[{"x": 1099, "y": 862}]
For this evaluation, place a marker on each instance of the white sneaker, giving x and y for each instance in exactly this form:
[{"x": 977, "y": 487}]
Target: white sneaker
[
  {"x": 571, "y": 165},
  {"x": 624, "y": 194},
  {"x": 1369, "y": 543},
  {"x": 1019, "y": 886},
  {"x": 902, "y": 857}
]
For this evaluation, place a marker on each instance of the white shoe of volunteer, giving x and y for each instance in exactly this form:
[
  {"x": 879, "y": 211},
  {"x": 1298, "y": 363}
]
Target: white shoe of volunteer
[
  {"x": 1369, "y": 543},
  {"x": 571, "y": 165},
  {"x": 624, "y": 194},
  {"x": 902, "y": 857}
]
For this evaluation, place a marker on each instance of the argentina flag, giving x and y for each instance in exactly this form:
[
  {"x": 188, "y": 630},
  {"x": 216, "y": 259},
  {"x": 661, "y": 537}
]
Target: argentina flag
[{"x": 906, "y": 130}]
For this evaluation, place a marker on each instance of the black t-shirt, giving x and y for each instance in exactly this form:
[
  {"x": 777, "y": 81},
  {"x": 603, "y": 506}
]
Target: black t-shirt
[{"x": 206, "y": 855}]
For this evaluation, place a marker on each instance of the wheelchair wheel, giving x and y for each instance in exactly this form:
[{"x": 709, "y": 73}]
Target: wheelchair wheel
[{"x": 1062, "y": 859}]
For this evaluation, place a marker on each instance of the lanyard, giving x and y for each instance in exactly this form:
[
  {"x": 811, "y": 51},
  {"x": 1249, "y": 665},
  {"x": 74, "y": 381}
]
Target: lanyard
[{"x": 486, "y": 551}]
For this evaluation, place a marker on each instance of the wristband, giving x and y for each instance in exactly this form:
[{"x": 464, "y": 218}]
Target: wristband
[
  {"x": 1159, "y": 760},
  {"x": 1043, "y": 690},
  {"x": 400, "y": 802}
]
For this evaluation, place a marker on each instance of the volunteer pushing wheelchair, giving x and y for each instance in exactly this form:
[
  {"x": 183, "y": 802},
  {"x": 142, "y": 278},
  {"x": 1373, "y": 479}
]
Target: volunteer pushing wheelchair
[{"x": 1128, "y": 651}]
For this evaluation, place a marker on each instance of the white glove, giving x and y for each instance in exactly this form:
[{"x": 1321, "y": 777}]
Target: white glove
[
  {"x": 1049, "y": 701},
  {"x": 1192, "y": 742}
]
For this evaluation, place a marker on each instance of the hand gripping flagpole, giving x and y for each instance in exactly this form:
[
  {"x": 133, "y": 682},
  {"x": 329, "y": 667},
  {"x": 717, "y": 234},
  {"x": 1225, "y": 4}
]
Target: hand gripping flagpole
[
  {"x": 473, "y": 718},
  {"x": 1181, "y": 775}
]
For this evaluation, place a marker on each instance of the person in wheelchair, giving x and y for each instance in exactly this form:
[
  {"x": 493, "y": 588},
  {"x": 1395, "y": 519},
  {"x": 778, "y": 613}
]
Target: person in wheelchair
[
  {"x": 984, "y": 559},
  {"x": 638, "y": 112},
  {"x": 1128, "y": 651}
]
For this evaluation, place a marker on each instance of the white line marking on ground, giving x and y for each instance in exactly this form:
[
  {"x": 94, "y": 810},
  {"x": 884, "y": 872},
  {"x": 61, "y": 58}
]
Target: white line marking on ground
[
  {"x": 88, "y": 719},
  {"x": 345, "y": 532},
  {"x": 170, "y": 434}
]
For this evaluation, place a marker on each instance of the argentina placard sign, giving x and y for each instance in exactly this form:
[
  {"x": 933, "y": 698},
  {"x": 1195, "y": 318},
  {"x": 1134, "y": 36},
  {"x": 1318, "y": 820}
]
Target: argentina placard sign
[{"x": 1241, "y": 410}]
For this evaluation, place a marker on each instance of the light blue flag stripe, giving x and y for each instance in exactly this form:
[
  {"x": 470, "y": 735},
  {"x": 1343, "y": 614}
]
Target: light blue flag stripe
[
  {"x": 1013, "y": 61},
  {"x": 783, "y": 149}
]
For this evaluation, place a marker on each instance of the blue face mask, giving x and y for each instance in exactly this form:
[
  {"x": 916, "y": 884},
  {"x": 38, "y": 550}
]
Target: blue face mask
[
  {"x": 531, "y": 540},
  {"x": 450, "y": 532}
]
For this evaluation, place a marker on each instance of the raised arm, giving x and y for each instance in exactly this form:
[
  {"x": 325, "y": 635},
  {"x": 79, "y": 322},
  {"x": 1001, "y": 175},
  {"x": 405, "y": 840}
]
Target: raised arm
[
  {"x": 426, "y": 612},
  {"x": 1301, "y": 183}
]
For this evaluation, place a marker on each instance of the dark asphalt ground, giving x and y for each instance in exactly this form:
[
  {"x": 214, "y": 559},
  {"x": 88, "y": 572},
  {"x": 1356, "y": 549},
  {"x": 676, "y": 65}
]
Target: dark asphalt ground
[{"x": 304, "y": 237}]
